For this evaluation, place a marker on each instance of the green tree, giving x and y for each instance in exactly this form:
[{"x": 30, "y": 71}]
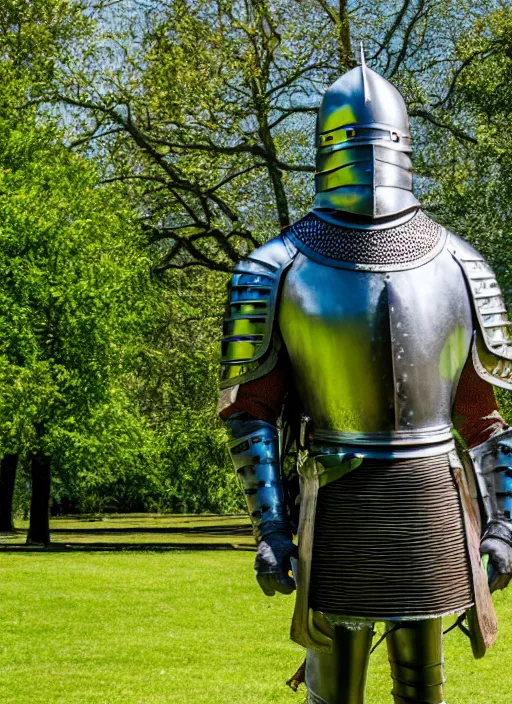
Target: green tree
[
  {"x": 206, "y": 114},
  {"x": 76, "y": 297},
  {"x": 200, "y": 116},
  {"x": 32, "y": 37}
]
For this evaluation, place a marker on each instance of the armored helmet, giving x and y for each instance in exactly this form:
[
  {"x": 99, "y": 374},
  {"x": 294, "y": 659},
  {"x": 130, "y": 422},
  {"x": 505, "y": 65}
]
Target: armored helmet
[{"x": 363, "y": 165}]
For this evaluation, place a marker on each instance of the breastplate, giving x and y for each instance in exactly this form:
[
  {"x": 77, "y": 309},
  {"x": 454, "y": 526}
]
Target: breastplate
[{"x": 377, "y": 355}]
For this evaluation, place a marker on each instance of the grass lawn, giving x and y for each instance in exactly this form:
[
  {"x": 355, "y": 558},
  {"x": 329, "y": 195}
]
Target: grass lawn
[
  {"x": 187, "y": 627},
  {"x": 142, "y": 529}
]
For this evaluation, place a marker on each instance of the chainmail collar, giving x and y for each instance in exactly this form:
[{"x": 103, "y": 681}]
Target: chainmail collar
[{"x": 399, "y": 247}]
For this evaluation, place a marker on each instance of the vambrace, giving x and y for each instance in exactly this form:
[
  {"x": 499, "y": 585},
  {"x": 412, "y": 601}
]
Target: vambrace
[
  {"x": 492, "y": 461},
  {"x": 255, "y": 455},
  {"x": 503, "y": 473},
  {"x": 493, "y": 466}
]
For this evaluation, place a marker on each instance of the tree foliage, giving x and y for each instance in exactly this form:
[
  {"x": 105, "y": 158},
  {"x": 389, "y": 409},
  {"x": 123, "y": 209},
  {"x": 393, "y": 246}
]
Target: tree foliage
[
  {"x": 206, "y": 115},
  {"x": 145, "y": 147}
]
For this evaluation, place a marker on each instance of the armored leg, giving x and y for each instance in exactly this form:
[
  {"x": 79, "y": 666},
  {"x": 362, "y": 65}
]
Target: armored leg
[
  {"x": 340, "y": 677},
  {"x": 415, "y": 651}
]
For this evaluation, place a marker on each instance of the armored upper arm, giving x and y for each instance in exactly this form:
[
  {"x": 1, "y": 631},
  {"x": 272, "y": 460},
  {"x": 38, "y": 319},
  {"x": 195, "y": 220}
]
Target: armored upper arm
[
  {"x": 250, "y": 343},
  {"x": 492, "y": 345}
]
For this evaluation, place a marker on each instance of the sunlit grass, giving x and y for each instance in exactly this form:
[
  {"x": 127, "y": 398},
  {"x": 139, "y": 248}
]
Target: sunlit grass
[{"x": 184, "y": 627}]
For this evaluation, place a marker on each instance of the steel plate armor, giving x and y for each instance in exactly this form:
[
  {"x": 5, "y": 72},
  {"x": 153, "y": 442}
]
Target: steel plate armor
[
  {"x": 377, "y": 312},
  {"x": 256, "y": 459},
  {"x": 492, "y": 347},
  {"x": 398, "y": 379},
  {"x": 363, "y": 164},
  {"x": 250, "y": 345}
]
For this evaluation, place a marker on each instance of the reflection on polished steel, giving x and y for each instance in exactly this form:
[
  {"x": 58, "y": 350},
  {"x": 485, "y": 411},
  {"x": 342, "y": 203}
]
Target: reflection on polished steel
[
  {"x": 492, "y": 461},
  {"x": 256, "y": 460},
  {"x": 492, "y": 348},
  {"x": 363, "y": 164},
  {"x": 362, "y": 349},
  {"x": 250, "y": 345},
  {"x": 340, "y": 676},
  {"x": 415, "y": 655}
]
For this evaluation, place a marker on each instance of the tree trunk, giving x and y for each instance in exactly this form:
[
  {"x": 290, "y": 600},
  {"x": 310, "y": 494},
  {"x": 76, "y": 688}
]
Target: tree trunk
[
  {"x": 7, "y": 478},
  {"x": 39, "y": 528},
  {"x": 346, "y": 56}
]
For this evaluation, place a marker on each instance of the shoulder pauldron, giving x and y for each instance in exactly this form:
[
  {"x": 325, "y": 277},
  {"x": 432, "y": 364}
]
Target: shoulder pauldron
[
  {"x": 492, "y": 346},
  {"x": 250, "y": 344}
]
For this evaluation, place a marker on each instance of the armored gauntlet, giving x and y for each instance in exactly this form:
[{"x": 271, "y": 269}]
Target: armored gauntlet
[
  {"x": 493, "y": 465},
  {"x": 254, "y": 449}
]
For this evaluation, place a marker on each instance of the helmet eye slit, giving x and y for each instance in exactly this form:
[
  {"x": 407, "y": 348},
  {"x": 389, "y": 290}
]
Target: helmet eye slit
[{"x": 363, "y": 146}]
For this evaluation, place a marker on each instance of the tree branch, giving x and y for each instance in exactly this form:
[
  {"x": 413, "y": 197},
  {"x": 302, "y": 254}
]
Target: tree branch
[
  {"x": 391, "y": 31},
  {"x": 287, "y": 112},
  {"x": 340, "y": 20},
  {"x": 229, "y": 178},
  {"x": 407, "y": 35},
  {"x": 425, "y": 115},
  {"x": 144, "y": 144}
]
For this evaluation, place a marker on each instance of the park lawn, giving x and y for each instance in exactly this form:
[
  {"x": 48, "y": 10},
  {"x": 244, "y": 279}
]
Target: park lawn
[
  {"x": 187, "y": 627},
  {"x": 143, "y": 528}
]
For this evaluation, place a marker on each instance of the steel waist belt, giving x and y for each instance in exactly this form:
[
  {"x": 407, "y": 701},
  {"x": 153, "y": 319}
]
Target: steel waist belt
[{"x": 398, "y": 444}]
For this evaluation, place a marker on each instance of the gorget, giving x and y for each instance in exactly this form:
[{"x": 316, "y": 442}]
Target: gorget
[{"x": 411, "y": 243}]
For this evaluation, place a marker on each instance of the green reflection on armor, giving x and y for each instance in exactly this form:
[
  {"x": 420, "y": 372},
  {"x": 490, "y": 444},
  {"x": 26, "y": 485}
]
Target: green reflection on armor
[
  {"x": 454, "y": 354},
  {"x": 248, "y": 308},
  {"x": 343, "y": 115},
  {"x": 356, "y": 199},
  {"x": 360, "y": 174},
  {"x": 235, "y": 370},
  {"x": 240, "y": 349},
  {"x": 342, "y": 371},
  {"x": 342, "y": 157},
  {"x": 246, "y": 326}
]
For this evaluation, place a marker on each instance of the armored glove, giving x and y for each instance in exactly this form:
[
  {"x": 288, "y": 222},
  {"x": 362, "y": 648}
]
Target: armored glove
[
  {"x": 272, "y": 564},
  {"x": 254, "y": 449},
  {"x": 493, "y": 463},
  {"x": 497, "y": 543}
]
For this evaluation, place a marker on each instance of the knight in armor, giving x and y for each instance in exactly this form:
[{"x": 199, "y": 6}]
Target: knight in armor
[{"x": 386, "y": 334}]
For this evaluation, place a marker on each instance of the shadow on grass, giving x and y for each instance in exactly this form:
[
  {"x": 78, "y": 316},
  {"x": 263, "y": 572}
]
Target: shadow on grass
[
  {"x": 95, "y": 538},
  {"x": 236, "y": 530},
  {"x": 125, "y": 547}
]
